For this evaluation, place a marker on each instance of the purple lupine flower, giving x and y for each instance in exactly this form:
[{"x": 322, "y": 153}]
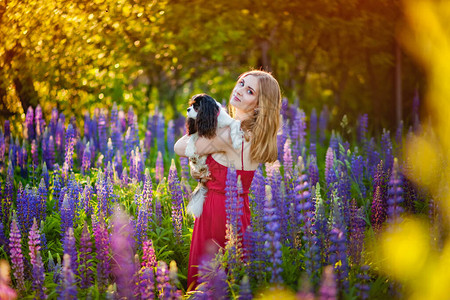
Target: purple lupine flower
[
  {"x": 162, "y": 279},
  {"x": 173, "y": 292},
  {"x": 29, "y": 122},
  {"x": 129, "y": 146},
  {"x": 320, "y": 227},
  {"x": 39, "y": 121},
  {"x": 86, "y": 160},
  {"x": 212, "y": 280},
  {"x": 102, "y": 131},
  {"x": 148, "y": 139},
  {"x": 3, "y": 239},
  {"x": 109, "y": 151},
  {"x": 124, "y": 178},
  {"x": 362, "y": 285},
  {"x": 177, "y": 202},
  {"x": 59, "y": 140},
  {"x": 16, "y": 255},
  {"x": 67, "y": 288},
  {"x": 157, "y": 216},
  {"x": 281, "y": 138},
  {"x": 160, "y": 133},
  {"x": 395, "y": 195},
  {"x": 313, "y": 172},
  {"x": 122, "y": 250},
  {"x": 159, "y": 168},
  {"x": 84, "y": 258},
  {"x": 356, "y": 230},
  {"x": 257, "y": 199},
  {"x": 69, "y": 248},
  {"x": 86, "y": 197},
  {"x": 170, "y": 137},
  {"x": 145, "y": 288},
  {"x": 50, "y": 153},
  {"x": 184, "y": 162},
  {"x": 234, "y": 211},
  {"x": 2, "y": 147},
  {"x": 36, "y": 261},
  {"x": 53, "y": 121},
  {"x": 148, "y": 255},
  {"x": 272, "y": 237},
  {"x": 102, "y": 242},
  {"x": 34, "y": 154},
  {"x": 338, "y": 244},
  {"x": 45, "y": 175},
  {"x": 298, "y": 136},
  {"x": 66, "y": 215},
  {"x": 361, "y": 131},
  {"x": 328, "y": 288},
  {"x": 287, "y": 160},
  {"x": 323, "y": 123},
  {"x": 42, "y": 201},
  {"x": 329, "y": 163},
  {"x": 303, "y": 206},
  {"x": 68, "y": 156},
  {"x": 357, "y": 169}
]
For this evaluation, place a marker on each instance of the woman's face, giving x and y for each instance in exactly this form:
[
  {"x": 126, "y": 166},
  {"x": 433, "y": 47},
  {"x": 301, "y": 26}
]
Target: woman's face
[{"x": 245, "y": 94}]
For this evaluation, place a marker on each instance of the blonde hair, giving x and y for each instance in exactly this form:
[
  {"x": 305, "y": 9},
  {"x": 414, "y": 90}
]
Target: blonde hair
[{"x": 266, "y": 120}]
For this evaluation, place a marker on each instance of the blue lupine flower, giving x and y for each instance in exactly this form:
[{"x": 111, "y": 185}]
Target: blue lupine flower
[
  {"x": 313, "y": 172},
  {"x": 177, "y": 202},
  {"x": 287, "y": 160},
  {"x": 102, "y": 246},
  {"x": 159, "y": 168},
  {"x": 273, "y": 239},
  {"x": 395, "y": 195},
  {"x": 170, "y": 137},
  {"x": 67, "y": 288}
]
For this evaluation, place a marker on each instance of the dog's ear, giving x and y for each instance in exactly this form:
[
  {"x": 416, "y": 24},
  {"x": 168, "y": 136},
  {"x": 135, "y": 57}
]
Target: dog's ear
[
  {"x": 191, "y": 126},
  {"x": 207, "y": 117}
]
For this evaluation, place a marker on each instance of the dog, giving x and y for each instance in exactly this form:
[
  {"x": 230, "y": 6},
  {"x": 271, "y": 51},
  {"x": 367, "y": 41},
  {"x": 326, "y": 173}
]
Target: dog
[{"x": 204, "y": 116}]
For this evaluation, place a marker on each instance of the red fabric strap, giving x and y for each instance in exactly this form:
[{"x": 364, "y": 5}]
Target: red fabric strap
[{"x": 242, "y": 154}]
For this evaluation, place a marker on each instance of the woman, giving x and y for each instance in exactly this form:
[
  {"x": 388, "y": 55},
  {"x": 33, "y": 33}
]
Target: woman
[{"x": 256, "y": 102}]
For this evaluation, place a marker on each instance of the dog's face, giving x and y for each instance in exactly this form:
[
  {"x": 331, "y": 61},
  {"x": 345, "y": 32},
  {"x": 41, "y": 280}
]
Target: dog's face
[{"x": 202, "y": 115}]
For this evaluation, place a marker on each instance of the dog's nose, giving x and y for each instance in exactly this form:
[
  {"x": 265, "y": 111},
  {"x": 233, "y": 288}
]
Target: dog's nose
[{"x": 189, "y": 109}]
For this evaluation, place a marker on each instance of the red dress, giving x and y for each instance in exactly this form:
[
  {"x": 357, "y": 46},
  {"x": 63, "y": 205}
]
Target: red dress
[{"x": 209, "y": 228}]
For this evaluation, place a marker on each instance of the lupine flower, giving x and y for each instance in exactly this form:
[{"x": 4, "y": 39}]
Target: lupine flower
[
  {"x": 362, "y": 285},
  {"x": 145, "y": 288},
  {"x": 16, "y": 255},
  {"x": 68, "y": 157},
  {"x": 6, "y": 292},
  {"x": 86, "y": 160},
  {"x": 177, "y": 202},
  {"x": 160, "y": 136},
  {"x": 302, "y": 203},
  {"x": 50, "y": 153},
  {"x": 8, "y": 192},
  {"x": 124, "y": 178},
  {"x": 173, "y": 292},
  {"x": 357, "y": 168},
  {"x": 39, "y": 121},
  {"x": 67, "y": 288},
  {"x": 45, "y": 175},
  {"x": 2, "y": 146},
  {"x": 338, "y": 244},
  {"x": 170, "y": 137},
  {"x": 323, "y": 123},
  {"x": 159, "y": 168},
  {"x": 233, "y": 208},
  {"x": 41, "y": 201},
  {"x": 298, "y": 133},
  {"x": 272, "y": 237},
  {"x": 281, "y": 138},
  {"x": 328, "y": 288},
  {"x": 43, "y": 237},
  {"x": 245, "y": 293},
  {"x": 29, "y": 121},
  {"x": 259, "y": 195},
  {"x": 162, "y": 279},
  {"x": 356, "y": 230},
  {"x": 102, "y": 132},
  {"x": 212, "y": 280},
  {"x": 287, "y": 159},
  {"x": 69, "y": 248},
  {"x": 148, "y": 255},
  {"x": 320, "y": 227},
  {"x": 395, "y": 195},
  {"x": 53, "y": 268},
  {"x": 34, "y": 154},
  {"x": 109, "y": 151},
  {"x": 102, "y": 242},
  {"x": 313, "y": 172},
  {"x": 59, "y": 140},
  {"x": 36, "y": 261},
  {"x": 122, "y": 248},
  {"x": 361, "y": 130},
  {"x": 3, "y": 239},
  {"x": 66, "y": 215}
]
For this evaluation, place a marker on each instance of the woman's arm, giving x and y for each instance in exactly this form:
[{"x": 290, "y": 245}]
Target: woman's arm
[{"x": 220, "y": 143}]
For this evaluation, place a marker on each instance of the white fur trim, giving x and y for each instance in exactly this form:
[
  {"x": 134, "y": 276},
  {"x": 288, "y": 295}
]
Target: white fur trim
[{"x": 195, "y": 206}]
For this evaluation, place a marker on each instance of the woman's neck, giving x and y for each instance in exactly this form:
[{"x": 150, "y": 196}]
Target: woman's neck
[{"x": 241, "y": 116}]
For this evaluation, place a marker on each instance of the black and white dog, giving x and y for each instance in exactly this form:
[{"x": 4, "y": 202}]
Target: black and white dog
[{"x": 204, "y": 116}]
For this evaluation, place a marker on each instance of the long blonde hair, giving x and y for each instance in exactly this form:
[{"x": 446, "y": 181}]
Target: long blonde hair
[{"x": 266, "y": 120}]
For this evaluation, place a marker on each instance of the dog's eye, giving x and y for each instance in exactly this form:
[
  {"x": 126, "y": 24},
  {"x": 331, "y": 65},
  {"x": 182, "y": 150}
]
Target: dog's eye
[{"x": 196, "y": 106}]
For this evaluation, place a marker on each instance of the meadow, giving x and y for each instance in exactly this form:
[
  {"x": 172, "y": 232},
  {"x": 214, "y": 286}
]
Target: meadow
[{"x": 97, "y": 210}]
